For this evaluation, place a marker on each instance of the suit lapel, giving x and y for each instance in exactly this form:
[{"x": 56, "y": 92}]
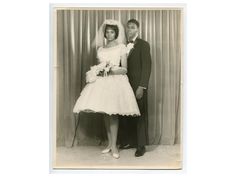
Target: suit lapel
[{"x": 132, "y": 50}]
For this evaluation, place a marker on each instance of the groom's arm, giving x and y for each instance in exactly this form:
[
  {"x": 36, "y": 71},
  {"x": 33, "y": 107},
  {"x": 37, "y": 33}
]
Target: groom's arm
[{"x": 145, "y": 65}]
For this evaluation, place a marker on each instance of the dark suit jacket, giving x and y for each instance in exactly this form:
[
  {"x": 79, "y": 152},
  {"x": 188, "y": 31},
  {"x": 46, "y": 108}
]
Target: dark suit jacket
[{"x": 139, "y": 64}]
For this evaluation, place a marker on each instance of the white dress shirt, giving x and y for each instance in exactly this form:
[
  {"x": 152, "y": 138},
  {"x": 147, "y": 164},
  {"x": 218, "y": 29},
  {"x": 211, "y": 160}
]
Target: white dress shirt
[{"x": 134, "y": 38}]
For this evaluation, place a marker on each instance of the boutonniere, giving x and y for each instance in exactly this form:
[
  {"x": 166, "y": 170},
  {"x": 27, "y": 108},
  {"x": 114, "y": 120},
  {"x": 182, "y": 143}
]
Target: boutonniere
[{"x": 129, "y": 47}]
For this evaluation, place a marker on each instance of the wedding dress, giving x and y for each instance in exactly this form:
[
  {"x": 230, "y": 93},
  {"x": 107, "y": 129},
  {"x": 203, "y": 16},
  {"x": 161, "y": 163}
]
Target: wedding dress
[{"x": 110, "y": 94}]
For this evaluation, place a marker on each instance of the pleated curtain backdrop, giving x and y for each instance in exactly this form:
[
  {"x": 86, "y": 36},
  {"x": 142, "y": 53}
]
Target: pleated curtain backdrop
[{"x": 75, "y": 31}]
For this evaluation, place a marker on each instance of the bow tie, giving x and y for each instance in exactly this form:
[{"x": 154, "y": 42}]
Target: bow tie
[{"x": 131, "y": 41}]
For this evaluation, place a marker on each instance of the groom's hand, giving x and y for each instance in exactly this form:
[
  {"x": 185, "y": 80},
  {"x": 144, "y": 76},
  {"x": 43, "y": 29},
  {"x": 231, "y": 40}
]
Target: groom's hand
[{"x": 139, "y": 93}]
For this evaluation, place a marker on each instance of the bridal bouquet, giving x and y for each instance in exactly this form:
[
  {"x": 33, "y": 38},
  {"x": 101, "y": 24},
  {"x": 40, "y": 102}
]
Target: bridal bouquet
[{"x": 103, "y": 69}]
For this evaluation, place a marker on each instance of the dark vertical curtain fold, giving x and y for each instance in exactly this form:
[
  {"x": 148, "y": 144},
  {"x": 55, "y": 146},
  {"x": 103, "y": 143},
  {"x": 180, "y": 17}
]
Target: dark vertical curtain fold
[{"x": 75, "y": 31}]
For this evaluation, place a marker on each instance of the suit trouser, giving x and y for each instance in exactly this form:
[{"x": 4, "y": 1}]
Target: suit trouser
[{"x": 134, "y": 130}]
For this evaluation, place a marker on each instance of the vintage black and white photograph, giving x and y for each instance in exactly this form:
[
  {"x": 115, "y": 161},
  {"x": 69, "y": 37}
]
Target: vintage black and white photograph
[{"x": 117, "y": 87}]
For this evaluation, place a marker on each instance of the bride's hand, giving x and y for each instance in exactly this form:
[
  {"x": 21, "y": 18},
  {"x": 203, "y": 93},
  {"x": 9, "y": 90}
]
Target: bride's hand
[{"x": 114, "y": 69}]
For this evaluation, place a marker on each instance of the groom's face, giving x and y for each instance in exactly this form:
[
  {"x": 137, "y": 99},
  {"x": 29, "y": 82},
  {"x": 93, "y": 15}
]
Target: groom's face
[{"x": 131, "y": 30}]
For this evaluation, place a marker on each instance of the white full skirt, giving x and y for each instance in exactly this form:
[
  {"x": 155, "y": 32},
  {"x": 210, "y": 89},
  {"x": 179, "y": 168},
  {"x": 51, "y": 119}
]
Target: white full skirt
[{"x": 111, "y": 95}]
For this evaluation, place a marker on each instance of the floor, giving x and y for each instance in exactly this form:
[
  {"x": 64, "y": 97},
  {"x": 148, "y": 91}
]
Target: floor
[{"x": 90, "y": 157}]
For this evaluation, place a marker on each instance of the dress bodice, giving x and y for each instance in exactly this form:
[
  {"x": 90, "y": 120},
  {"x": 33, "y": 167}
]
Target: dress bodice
[{"x": 111, "y": 54}]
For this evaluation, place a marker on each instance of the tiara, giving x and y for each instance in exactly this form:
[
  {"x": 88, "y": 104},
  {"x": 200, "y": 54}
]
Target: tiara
[{"x": 111, "y": 22}]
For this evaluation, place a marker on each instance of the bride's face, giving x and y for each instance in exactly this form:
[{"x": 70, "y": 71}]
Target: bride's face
[{"x": 110, "y": 34}]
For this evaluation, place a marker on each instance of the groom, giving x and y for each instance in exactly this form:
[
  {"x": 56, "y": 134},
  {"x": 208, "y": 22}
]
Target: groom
[{"x": 134, "y": 129}]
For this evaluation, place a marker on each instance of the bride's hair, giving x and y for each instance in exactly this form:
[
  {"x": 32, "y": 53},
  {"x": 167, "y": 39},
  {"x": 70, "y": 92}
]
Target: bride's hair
[
  {"x": 113, "y": 27},
  {"x": 100, "y": 37}
]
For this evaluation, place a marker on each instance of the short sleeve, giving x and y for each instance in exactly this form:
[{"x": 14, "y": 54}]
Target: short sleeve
[
  {"x": 98, "y": 53},
  {"x": 98, "y": 50},
  {"x": 123, "y": 49}
]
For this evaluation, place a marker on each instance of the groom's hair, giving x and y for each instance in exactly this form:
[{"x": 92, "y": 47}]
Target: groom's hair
[
  {"x": 133, "y": 21},
  {"x": 114, "y": 27}
]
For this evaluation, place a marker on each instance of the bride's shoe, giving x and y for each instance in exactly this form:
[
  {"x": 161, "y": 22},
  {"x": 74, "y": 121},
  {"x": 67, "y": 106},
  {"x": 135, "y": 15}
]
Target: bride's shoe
[
  {"x": 106, "y": 150},
  {"x": 116, "y": 155}
]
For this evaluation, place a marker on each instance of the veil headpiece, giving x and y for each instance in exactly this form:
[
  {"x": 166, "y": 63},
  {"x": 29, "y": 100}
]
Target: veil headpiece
[{"x": 100, "y": 40}]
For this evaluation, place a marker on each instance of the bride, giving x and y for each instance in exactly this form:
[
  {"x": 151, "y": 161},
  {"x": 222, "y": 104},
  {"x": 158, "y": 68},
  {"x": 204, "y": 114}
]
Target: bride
[{"x": 109, "y": 91}]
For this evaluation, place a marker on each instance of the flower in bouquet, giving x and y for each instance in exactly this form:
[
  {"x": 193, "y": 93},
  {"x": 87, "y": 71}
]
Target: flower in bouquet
[
  {"x": 102, "y": 69},
  {"x": 105, "y": 71},
  {"x": 91, "y": 76}
]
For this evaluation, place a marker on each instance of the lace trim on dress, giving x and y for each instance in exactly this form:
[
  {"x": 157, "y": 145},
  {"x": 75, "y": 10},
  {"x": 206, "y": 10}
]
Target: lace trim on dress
[{"x": 109, "y": 113}]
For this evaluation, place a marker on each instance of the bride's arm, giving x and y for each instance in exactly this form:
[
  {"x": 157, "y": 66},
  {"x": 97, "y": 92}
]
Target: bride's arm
[{"x": 122, "y": 69}]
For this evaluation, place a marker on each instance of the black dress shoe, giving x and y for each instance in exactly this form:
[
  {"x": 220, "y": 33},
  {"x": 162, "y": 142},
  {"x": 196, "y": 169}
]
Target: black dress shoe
[
  {"x": 126, "y": 146},
  {"x": 140, "y": 151}
]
